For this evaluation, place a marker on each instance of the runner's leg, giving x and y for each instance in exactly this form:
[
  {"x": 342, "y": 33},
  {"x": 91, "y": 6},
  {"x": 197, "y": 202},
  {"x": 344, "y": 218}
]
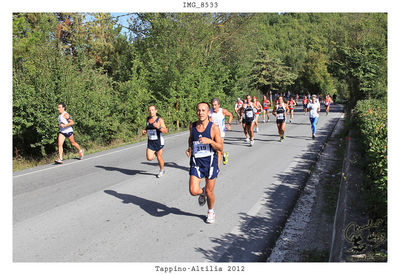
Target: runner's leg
[
  {"x": 256, "y": 122},
  {"x": 279, "y": 129},
  {"x": 160, "y": 159},
  {"x": 61, "y": 139},
  {"x": 283, "y": 127},
  {"x": 150, "y": 154},
  {"x": 194, "y": 186},
  {"x": 245, "y": 130},
  {"x": 315, "y": 125},
  {"x": 210, "y": 192},
  {"x": 74, "y": 143}
]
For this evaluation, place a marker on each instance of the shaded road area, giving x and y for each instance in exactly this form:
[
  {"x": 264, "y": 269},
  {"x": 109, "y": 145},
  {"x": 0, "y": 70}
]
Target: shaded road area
[{"x": 111, "y": 207}]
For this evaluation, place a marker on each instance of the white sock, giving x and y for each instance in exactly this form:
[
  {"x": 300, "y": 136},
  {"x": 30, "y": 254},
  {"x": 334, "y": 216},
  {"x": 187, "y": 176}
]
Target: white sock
[{"x": 211, "y": 210}]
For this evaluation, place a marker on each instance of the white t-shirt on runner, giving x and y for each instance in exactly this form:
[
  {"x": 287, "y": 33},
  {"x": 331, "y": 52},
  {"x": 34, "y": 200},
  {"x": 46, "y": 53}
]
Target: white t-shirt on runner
[
  {"x": 218, "y": 118},
  {"x": 313, "y": 109}
]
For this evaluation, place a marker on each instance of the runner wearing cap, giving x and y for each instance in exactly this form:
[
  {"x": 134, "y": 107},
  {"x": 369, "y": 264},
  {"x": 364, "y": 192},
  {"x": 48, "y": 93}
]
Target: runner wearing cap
[
  {"x": 238, "y": 106},
  {"x": 314, "y": 108}
]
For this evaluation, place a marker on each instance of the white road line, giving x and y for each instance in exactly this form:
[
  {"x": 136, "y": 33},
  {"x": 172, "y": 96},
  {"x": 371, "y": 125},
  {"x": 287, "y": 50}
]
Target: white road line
[{"x": 102, "y": 155}]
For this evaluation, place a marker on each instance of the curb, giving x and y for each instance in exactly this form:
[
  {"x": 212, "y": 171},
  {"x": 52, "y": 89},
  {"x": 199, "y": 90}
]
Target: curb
[
  {"x": 302, "y": 185},
  {"x": 336, "y": 251}
]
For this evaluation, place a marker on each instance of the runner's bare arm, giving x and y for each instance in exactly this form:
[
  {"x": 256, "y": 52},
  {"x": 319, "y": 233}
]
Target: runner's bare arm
[
  {"x": 274, "y": 111},
  {"x": 216, "y": 140},
  {"x": 69, "y": 119},
  {"x": 189, "y": 149},
  {"x": 144, "y": 132},
  {"x": 163, "y": 128},
  {"x": 225, "y": 112},
  {"x": 241, "y": 112}
]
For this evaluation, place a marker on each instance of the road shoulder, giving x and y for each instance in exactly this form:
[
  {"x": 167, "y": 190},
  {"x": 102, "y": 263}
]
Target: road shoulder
[{"x": 307, "y": 234}]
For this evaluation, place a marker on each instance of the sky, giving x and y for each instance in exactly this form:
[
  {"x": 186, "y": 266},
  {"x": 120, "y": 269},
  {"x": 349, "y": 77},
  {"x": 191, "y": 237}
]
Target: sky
[{"x": 122, "y": 20}]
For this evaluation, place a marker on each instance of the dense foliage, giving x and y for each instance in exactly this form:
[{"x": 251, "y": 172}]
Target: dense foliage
[
  {"x": 174, "y": 60},
  {"x": 371, "y": 118}
]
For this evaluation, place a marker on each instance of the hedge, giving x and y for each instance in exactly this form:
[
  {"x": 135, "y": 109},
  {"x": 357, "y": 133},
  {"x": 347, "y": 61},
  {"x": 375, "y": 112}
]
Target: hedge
[{"x": 371, "y": 118}]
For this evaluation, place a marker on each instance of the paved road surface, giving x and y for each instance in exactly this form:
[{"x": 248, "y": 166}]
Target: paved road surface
[{"x": 111, "y": 207}]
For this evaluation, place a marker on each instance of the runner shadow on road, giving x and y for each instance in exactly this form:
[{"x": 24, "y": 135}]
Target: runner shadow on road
[
  {"x": 153, "y": 208},
  {"x": 299, "y": 137},
  {"x": 129, "y": 172},
  {"x": 298, "y": 123},
  {"x": 256, "y": 234},
  {"x": 169, "y": 164}
]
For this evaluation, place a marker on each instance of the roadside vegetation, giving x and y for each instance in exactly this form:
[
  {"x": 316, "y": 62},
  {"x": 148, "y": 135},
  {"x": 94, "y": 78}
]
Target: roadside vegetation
[
  {"x": 107, "y": 77},
  {"x": 370, "y": 117}
]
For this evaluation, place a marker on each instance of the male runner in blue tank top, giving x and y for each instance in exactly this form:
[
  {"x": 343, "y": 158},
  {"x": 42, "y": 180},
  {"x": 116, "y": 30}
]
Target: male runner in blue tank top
[
  {"x": 248, "y": 113},
  {"x": 155, "y": 128},
  {"x": 204, "y": 143}
]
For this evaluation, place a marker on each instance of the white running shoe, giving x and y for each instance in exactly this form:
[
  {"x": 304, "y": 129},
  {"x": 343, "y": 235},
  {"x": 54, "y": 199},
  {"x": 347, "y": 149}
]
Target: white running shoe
[
  {"x": 203, "y": 197},
  {"x": 247, "y": 140},
  {"x": 81, "y": 154},
  {"x": 59, "y": 161},
  {"x": 160, "y": 174},
  {"x": 252, "y": 142},
  {"x": 210, "y": 217}
]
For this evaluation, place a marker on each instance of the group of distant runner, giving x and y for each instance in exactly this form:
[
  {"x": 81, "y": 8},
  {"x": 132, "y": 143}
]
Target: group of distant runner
[{"x": 206, "y": 136}]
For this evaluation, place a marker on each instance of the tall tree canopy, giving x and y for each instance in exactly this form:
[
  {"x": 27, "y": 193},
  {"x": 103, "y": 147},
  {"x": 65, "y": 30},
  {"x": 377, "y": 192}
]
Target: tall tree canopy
[{"x": 174, "y": 60}]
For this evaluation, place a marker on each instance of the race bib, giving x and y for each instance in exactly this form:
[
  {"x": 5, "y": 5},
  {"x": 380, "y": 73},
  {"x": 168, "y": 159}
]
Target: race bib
[
  {"x": 280, "y": 116},
  {"x": 152, "y": 134},
  {"x": 201, "y": 150},
  {"x": 249, "y": 114}
]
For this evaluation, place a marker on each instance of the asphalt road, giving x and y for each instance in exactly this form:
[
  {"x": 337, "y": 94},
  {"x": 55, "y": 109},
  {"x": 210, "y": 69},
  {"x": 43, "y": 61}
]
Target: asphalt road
[{"x": 110, "y": 207}]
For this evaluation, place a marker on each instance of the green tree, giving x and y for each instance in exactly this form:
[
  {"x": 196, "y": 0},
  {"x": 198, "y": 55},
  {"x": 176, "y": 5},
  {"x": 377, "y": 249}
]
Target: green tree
[{"x": 270, "y": 74}]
